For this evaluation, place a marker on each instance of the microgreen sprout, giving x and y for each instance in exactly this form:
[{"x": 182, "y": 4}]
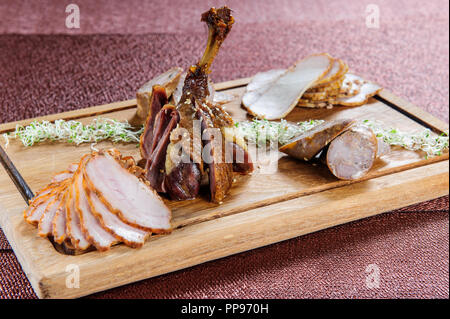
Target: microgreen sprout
[
  {"x": 425, "y": 140},
  {"x": 75, "y": 132},
  {"x": 264, "y": 132}
]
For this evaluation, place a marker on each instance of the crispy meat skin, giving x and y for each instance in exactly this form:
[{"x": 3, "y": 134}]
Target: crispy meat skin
[
  {"x": 157, "y": 101},
  {"x": 194, "y": 114}
]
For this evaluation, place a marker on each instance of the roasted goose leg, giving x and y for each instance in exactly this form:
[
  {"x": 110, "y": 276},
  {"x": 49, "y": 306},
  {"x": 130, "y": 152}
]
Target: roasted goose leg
[{"x": 196, "y": 127}]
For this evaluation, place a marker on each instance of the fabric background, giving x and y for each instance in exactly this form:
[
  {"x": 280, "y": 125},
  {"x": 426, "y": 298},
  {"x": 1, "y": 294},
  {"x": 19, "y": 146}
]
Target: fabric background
[{"x": 46, "y": 68}]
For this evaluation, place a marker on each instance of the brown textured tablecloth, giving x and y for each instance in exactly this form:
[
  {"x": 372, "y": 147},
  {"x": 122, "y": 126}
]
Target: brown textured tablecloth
[{"x": 46, "y": 68}]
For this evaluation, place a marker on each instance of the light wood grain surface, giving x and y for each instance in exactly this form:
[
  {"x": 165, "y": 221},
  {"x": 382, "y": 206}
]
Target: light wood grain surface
[{"x": 270, "y": 205}]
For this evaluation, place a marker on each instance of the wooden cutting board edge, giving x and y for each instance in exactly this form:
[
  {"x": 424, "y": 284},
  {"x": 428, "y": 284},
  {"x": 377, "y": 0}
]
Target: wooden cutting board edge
[{"x": 425, "y": 183}]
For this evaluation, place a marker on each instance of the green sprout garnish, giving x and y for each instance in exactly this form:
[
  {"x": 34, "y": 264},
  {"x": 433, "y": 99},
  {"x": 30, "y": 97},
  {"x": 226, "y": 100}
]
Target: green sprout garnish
[
  {"x": 75, "y": 132},
  {"x": 263, "y": 133}
]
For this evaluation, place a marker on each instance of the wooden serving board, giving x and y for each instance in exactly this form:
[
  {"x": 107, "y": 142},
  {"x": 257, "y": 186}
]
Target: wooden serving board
[{"x": 269, "y": 206}]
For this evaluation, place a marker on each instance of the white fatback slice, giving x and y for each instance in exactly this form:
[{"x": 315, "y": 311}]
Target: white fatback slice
[
  {"x": 366, "y": 91},
  {"x": 127, "y": 196},
  {"x": 283, "y": 93}
]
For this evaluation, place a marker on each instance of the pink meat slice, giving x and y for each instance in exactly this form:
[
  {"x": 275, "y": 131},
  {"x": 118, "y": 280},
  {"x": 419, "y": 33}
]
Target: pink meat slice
[
  {"x": 35, "y": 215},
  {"x": 61, "y": 176},
  {"x": 133, "y": 201},
  {"x": 72, "y": 167},
  {"x": 45, "y": 223},
  {"x": 99, "y": 237},
  {"x": 130, "y": 235},
  {"x": 59, "y": 221},
  {"x": 73, "y": 226},
  {"x": 36, "y": 201}
]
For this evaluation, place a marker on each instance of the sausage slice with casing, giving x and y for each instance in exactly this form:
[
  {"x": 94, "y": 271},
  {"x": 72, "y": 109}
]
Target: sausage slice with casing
[
  {"x": 351, "y": 155},
  {"x": 307, "y": 145}
]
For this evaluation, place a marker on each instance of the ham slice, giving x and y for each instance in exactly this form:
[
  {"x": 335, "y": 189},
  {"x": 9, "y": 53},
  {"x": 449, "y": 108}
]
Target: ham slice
[
  {"x": 61, "y": 176},
  {"x": 132, "y": 200},
  {"x": 131, "y": 236},
  {"x": 35, "y": 215},
  {"x": 45, "y": 223},
  {"x": 99, "y": 202},
  {"x": 282, "y": 95},
  {"x": 91, "y": 227},
  {"x": 73, "y": 224},
  {"x": 59, "y": 221}
]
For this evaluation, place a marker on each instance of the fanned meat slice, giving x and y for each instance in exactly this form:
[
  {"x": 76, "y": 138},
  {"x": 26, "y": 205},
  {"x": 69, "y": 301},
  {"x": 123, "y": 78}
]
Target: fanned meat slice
[
  {"x": 131, "y": 236},
  {"x": 59, "y": 221},
  {"x": 90, "y": 225},
  {"x": 37, "y": 200},
  {"x": 73, "y": 226},
  {"x": 366, "y": 91},
  {"x": 61, "y": 176},
  {"x": 338, "y": 70},
  {"x": 283, "y": 94},
  {"x": 45, "y": 223},
  {"x": 125, "y": 195},
  {"x": 35, "y": 215},
  {"x": 55, "y": 183}
]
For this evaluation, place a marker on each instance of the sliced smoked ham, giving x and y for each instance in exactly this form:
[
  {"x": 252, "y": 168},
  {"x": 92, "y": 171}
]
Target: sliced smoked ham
[
  {"x": 73, "y": 223},
  {"x": 90, "y": 225},
  {"x": 45, "y": 222},
  {"x": 99, "y": 202},
  {"x": 131, "y": 236},
  {"x": 130, "y": 198},
  {"x": 59, "y": 221}
]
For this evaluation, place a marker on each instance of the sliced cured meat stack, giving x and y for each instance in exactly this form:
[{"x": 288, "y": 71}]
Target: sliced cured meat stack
[
  {"x": 125, "y": 195},
  {"x": 270, "y": 94},
  {"x": 131, "y": 236},
  {"x": 97, "y": 203},
  {"x": 73, "y": 223},
  {"x": 59, "y": 221},
  {"x": 46, "y": 220},
  {"x": 278, "y": 98},
  {"x": 175, "y": 138},
  {"x": 90, "y": 225}
]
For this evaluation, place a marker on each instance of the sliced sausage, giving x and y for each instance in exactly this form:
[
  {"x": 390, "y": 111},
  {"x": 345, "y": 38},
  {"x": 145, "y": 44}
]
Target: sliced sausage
[
  {"x": 351, "y": 155},
  {"x": 307, "y": 145}
]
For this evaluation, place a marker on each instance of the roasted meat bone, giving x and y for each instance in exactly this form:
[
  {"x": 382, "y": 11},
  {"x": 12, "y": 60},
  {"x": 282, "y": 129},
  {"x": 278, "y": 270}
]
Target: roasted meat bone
[{"x": 182, "y": 132}]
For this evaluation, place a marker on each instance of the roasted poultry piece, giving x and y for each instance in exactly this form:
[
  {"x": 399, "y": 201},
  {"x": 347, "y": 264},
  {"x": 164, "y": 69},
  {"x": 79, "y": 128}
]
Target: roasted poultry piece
[{"x": 192, "y": 144}]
